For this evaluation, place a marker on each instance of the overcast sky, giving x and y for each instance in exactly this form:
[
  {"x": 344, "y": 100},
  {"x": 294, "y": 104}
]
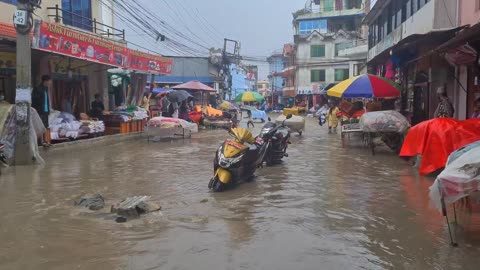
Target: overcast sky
[{"x": 262, "y": 26}]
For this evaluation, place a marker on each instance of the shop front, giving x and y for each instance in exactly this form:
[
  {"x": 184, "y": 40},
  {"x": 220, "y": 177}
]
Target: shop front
[{"x": 78, "y": 63}]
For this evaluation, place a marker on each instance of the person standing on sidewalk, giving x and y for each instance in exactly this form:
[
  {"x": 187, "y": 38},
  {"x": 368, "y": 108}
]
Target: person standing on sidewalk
[
  {"x": 165, "y": 103},
  {"x": 41, "y": 102},
  {"x": 445, "y": 107},
  {"x": 40, "y": 99}
]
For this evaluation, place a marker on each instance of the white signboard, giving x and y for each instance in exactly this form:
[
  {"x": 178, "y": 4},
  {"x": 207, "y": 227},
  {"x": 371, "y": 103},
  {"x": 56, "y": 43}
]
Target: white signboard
[
  {"x": 23, "y": 95},
  {"x": 20, "y": 17}
]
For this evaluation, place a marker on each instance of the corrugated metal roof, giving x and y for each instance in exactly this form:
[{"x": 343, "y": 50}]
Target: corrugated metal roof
[{"x": 183, "y": 79}]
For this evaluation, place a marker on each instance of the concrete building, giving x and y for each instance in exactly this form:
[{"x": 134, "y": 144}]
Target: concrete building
[
  {"x": 330, "y": 45},
  {"x": 263, "y": 88},
  {"x": 276, "y": 64},
  {"x": 89, "y": 17},
  {"x": 403, "y": 37},
  {"x": 187, "y": 69}
]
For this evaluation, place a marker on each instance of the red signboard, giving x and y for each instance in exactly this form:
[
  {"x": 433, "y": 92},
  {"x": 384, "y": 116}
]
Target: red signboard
[
  {"x": 63, "y": 40},
  {"x": 149, "y": 62}
]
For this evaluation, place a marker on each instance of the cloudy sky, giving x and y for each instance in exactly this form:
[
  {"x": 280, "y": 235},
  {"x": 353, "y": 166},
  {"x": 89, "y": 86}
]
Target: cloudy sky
[{"x": 262, "y": 26}]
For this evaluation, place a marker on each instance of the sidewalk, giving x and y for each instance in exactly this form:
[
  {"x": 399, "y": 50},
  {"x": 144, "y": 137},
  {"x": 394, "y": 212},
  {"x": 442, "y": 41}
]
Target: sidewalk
[{"x": 88, "y": 144}]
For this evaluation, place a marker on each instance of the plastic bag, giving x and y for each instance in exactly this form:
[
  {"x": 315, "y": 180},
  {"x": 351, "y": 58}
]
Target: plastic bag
[{"x": 384, "y": 121}]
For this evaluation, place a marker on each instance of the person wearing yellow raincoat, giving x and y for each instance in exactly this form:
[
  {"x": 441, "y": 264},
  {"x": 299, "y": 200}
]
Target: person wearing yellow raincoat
[{"x": 332, "y": 119}]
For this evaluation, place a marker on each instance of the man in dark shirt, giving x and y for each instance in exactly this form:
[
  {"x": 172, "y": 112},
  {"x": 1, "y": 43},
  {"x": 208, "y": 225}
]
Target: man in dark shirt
[
  {"x": 97, "y": 107},
  {"x": 40, "y": 99}
]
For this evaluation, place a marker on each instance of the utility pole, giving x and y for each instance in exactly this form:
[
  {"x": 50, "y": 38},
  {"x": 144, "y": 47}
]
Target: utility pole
[{"x": 23, "y": 22}]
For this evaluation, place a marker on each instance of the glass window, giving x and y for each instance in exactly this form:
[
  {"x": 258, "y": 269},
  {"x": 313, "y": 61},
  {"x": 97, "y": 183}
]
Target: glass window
[
  {"x": 13, "y": 2},
  {"x": 307, "y": 27},
  {"x": 317, "y": 75},
  {"x": 342, "y": 74},
  {"x": 78, "y": 13},
  {"x": 317, "y": 51}
]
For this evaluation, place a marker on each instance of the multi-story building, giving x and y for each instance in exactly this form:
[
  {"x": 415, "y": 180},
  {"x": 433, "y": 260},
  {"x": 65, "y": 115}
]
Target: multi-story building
[
  {"x": 276, "y": 64},
  {"x": 263, "y": 88},
  {"x": 402, "y": 38},
  {"x": 330, "y": 45},
  {"x": 76, "y": 42}
]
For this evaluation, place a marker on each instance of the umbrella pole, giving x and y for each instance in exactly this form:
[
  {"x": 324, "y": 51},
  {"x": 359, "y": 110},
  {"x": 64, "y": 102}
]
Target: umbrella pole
[{"x": 455, "y": 213}]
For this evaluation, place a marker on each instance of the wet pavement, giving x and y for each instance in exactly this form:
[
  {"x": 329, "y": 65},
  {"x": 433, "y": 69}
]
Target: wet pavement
[{"x": 325, "y": 208}]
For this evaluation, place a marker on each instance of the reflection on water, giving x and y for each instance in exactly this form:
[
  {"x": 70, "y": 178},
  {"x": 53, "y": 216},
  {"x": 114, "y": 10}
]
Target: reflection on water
[{"x": 325, "y": 206}]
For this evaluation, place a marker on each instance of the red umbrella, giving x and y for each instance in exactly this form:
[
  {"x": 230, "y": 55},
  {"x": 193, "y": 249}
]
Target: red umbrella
[{"x": 194, "y": 86}]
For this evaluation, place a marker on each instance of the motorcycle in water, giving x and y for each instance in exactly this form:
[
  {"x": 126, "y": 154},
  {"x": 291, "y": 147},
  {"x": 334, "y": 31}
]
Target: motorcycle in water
[
  {"x": 236, "y": 159},
  {"x": 277, "y": 139}
]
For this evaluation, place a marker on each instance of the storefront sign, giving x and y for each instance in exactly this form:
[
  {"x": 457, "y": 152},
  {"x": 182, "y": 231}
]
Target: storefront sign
[
  {"x": 149, "y": 62},
  {"x": 66, "y": 41},
  {"x": 63, "y": 40}
]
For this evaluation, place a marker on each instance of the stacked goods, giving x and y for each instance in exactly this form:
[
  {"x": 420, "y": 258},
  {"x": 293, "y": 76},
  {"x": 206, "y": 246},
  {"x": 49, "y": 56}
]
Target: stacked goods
[
  {"x": 384, "y": 121},
  {"x": 92, "y": 127}
]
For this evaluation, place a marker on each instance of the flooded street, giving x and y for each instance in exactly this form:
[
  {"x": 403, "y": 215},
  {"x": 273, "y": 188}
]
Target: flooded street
[{"x": 325, "y": 208}]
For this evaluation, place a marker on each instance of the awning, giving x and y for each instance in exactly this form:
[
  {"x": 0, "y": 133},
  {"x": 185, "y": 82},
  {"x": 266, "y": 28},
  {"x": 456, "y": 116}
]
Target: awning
[
  {"x": 468, "y": 34},
  {"x": 194, "y": 86},
  {"x": 7, "y": 31}
]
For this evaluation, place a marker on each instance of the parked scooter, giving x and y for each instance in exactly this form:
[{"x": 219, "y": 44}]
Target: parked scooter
[
  {"x": 277, "y": 138},
  {"x": 237, "y": 159}
]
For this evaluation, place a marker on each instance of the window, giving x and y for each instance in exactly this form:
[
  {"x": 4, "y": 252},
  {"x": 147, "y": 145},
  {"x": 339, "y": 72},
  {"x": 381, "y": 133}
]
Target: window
[
  {"x": 342, "y": 46},
  {"x": 307, "y": 27},
  {"x": 317, "y": 75},
  {"x": 342, "y": 74},
  {"x": 328, "y": 5},
  {"x": 77, "y": 13},
  {"x": 13, "y": 2},
  {"x": 317, "y": 51}
]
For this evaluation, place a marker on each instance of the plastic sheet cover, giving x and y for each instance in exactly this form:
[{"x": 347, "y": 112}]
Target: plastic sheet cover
[
  {"x": 8, "y": 134},
  {"x": 460, "y": 178},
  {"x": 384, "y": 121},
  {"x": 436, "y": 139}
]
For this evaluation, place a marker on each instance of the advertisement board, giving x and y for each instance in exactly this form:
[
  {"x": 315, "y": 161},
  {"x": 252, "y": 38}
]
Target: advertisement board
[{"x": 59, "y": 39}]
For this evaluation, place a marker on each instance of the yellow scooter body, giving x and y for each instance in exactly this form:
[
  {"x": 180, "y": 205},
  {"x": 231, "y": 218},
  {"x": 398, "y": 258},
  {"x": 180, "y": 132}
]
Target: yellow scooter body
[{"x": 233, "y": 148}]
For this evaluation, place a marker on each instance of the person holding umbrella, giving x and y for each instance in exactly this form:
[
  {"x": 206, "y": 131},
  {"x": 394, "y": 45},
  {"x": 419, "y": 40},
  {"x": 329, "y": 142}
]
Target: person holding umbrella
[{"x": 164, "y": 104}]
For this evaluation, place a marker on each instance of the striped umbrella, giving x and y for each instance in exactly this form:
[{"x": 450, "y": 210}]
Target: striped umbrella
[
  {"x": 365, "y": 86},
  {"x": 228, "y": 106},
  {"x": 249, "y": 97}
]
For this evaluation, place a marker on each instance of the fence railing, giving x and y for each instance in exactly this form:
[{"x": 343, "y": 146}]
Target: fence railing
[{"x": 70, "y": 18}]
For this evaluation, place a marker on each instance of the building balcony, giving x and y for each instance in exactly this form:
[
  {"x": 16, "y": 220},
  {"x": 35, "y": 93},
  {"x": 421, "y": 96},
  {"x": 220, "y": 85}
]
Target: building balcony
[
  {"x": 72, "y": 19},
  {"x": 360, "y": 48}
]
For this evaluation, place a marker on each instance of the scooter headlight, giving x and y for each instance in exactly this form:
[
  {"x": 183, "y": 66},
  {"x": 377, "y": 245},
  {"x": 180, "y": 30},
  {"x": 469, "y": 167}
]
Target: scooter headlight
[{"x": 228, "y": 162}]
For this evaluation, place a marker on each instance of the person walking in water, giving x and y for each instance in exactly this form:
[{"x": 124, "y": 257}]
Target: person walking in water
[{"x": 332, "y": 118}]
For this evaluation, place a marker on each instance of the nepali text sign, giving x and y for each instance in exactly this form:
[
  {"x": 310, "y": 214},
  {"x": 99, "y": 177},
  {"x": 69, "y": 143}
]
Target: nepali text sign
[{"x": 63, "y": 40}]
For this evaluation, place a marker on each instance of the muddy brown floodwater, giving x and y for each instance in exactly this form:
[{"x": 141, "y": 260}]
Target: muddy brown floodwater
[{"x": 324, "y": 208}]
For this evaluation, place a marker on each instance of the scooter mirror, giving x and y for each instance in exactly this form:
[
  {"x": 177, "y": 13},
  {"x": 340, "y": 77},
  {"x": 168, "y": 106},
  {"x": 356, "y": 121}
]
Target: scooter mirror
[{"x": 289, "y": 116}]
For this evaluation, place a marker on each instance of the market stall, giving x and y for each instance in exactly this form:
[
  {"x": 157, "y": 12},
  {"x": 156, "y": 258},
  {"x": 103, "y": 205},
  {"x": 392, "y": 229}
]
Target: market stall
[
  {"x": 164, "y": 127},
  {"x": 389, "y": 126},
  {"x": 460, "y": 179},
  {"x": 359, "y": 89}
]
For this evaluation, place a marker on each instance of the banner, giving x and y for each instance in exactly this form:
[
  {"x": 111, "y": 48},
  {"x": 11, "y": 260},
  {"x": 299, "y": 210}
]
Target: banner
[
  {"x": 66, "y": 41},
  {"x": 149, "y": 62}
]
